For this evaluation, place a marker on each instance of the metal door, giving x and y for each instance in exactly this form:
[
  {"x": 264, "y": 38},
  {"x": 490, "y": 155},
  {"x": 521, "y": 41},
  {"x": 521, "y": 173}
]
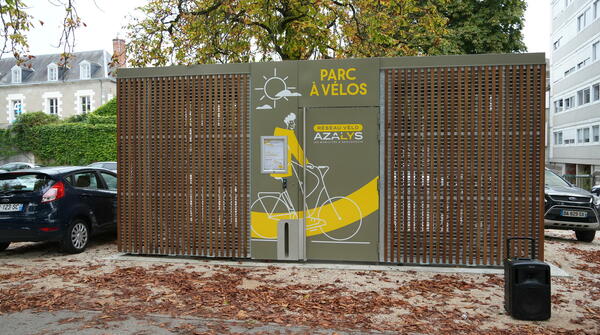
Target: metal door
[{"x": 340, "y": 193}]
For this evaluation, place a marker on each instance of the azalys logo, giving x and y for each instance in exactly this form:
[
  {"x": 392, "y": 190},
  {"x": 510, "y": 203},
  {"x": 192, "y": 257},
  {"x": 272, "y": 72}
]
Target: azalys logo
[{"x": 338, "y": 133}]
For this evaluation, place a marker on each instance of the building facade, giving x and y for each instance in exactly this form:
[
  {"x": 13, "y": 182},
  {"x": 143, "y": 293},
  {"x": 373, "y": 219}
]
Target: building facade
[
  {"x": 574, "y": 119},
  {"x": 45, "y": 83}
]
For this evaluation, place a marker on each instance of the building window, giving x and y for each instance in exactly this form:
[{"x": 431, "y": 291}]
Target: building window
[
  {"x": 582, "y": 64},
  {"x": 596, "y": 8},
  {"x": 569, "y": 103},
  {"x": 52, "y": 72},
  {"x": 583, "y": 135},
  {"x": 16, "y": 75},
  {"x": 558, "y": 106},
  {"x": 583, "y": 96},
  {"x": 569, "y": 71},
  {"x": 558, "y": 137},
  {"x": 17, "y": 107},
  {"x": 84, "y": 70},
  {"x": 86, "y": 105},
  {"x": 52, "y": 106},
  {"x": 582, "y": 20},
  {"x": 595, "y": 50},
  {"x": 569, "y": 141},
  {"x": 596, "y": 92},
  {"x": 596, "y": 133}
]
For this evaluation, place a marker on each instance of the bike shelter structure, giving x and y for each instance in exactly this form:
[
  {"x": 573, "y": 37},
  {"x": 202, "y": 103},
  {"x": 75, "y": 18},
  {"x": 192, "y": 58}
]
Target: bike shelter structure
[{"x": 411, "y": 160}]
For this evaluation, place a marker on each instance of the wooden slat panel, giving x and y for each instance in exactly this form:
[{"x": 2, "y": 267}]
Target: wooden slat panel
[
  {"x": 463, "y": 163},
  {"x": 183, "y": 163}
]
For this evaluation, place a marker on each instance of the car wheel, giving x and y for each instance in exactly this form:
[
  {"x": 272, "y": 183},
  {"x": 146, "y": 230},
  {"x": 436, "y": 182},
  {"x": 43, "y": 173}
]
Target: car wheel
[
  {"x": 4, "y": 245},
  {"x": 76, "y": 237},
  {"x": 585, "y": 235}
]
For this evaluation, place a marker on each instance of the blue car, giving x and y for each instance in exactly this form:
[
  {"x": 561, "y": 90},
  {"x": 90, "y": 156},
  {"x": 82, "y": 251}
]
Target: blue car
[{"x": 64, "y": 204}]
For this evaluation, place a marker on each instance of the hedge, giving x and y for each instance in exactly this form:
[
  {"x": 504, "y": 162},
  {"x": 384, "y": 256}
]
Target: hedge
[
  {"x": 109, "y": 108},
  {"x": 71, "y": 143},
  {"x": 80, "y": 140},
  {"x": 7, "y": 149}
]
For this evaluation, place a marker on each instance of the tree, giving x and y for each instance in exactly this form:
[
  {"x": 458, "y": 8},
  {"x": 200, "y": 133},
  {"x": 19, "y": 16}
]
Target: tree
[
  {"x": 16, "y": 23},
  {"x": 222, "y": 31},
  {"x": 484, "y": 26},
  {"x": 391, "y": 28}
]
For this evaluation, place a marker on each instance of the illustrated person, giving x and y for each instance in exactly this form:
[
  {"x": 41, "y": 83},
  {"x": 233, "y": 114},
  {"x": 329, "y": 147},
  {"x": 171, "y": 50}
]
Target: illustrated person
[{"x": 294, "y": 149}]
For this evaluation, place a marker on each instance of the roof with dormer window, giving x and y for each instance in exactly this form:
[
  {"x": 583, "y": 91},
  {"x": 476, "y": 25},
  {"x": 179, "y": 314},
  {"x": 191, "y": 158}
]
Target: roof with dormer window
[{"x": 34, "y": 71}]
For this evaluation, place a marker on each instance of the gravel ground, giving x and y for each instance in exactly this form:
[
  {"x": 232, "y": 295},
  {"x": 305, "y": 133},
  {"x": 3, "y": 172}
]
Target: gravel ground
[{"x": 98, "y": 294}]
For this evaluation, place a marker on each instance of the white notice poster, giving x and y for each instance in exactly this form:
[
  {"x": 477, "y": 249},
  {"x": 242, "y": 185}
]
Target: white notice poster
[{"x": 274, "y": 154}]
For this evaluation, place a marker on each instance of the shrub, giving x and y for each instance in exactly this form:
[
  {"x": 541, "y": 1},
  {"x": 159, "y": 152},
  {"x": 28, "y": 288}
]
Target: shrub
[
  {"x": 77, "y": 118},
  {"x": 109, "y": 108},
  {"x": 26, "y": 121},
  {"x": 79, "y": 140}
]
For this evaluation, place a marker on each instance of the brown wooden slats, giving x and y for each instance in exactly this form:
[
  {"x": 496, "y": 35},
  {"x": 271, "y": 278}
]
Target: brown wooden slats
[
  {"x": 122, "y": 145},
  {"x": 463, "y": 163},
  {"x": 183, "y": 152}
]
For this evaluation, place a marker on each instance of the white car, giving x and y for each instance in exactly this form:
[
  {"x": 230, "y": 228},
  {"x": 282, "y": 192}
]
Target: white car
[{"x": 14, "y": 166}]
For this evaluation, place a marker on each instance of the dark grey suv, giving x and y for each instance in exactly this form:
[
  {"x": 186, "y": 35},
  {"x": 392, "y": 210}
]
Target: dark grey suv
[{"x": 571, "y": 208}]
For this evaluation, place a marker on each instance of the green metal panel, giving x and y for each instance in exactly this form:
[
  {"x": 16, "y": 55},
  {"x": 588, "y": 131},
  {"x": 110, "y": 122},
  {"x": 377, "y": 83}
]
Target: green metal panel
[{"x": 342, "y": 183}]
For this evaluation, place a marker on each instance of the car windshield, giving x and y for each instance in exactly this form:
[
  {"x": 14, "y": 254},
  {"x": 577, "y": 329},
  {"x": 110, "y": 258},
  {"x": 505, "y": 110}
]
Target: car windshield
[
  {"x": 11, "y": 182},
  {"x": 553, "y": 180}
]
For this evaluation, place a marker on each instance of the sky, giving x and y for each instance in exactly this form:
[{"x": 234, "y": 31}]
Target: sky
[{"x": 105, "y": 19}]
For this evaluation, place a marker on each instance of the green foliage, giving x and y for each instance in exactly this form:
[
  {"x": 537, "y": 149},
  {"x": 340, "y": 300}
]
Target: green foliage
[
  {"x": 79, "y": 140},
  {"x": 109, "y": 108},
  {"x": 26, "y": 121},
  {"x": 105, "y": 114},
  {"x": 101, "y": 119},
  {"x": 71, "y": 143},
  {"x": 207, "y": 31},
  {"x": 484, "y": 26},
  {"x": 33, "y": 119},
  {"x": 77, "y": 118},
  {"x": 6, "y": 147}
]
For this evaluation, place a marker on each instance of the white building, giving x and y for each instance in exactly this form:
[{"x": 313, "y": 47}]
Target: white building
[
  {"x": 574, "y": 120},
  {"x": 45, "y": 83}
]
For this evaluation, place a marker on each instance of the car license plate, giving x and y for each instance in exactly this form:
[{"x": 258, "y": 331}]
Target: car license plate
[
  {"x": 574, "y": 214},
  {"x": 11, "y": 207}
]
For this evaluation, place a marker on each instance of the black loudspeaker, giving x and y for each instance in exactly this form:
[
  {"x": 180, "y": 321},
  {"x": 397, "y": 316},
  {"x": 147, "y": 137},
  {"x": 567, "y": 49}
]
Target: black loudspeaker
[{"x": 526, "y": 285}]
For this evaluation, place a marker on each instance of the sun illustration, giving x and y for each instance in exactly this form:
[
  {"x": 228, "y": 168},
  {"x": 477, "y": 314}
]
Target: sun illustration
[{"x": 275, "y": 88}]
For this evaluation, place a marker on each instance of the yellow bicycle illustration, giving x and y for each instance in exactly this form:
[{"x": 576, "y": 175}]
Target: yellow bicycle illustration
[
  {"x": 325, "y": 215},
  {"x": 328, "y": 211}
]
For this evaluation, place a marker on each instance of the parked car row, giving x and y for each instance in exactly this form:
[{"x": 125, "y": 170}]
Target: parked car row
[
  {"x": 71, "y": 204},
  {"x": 14, "y": 166},
  {"x": 64, "y": 204}
]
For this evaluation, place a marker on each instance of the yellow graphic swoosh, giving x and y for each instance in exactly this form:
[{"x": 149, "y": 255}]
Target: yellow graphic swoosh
[{"x": 338, "y": 213}]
